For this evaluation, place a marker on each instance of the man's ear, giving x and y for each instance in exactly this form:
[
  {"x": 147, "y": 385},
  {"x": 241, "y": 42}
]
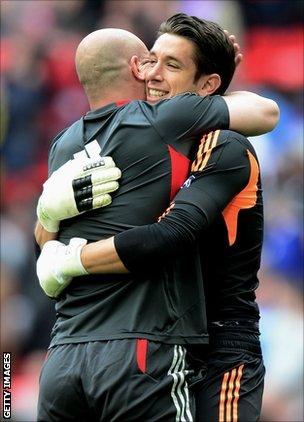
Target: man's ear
[
  {"x": 208, "y": 84},
  {"x": 137, "y": 68}
]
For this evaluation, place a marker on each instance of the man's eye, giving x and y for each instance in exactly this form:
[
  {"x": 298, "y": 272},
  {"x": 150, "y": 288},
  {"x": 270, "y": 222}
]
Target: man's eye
[{"x": 173, "y": 65}]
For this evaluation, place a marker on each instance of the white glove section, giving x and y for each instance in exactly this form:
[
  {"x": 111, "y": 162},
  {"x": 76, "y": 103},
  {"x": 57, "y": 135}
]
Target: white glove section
[
  {"x": 58, "y": 264},
  {"x": 78, "y": 186}
]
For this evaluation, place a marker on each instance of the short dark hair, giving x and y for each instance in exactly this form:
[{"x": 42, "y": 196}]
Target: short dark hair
[{"x": 213, "y": 51}]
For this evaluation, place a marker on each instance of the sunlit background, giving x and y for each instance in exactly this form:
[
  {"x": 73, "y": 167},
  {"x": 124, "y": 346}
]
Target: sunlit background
[{"x": 40, "y": 95}]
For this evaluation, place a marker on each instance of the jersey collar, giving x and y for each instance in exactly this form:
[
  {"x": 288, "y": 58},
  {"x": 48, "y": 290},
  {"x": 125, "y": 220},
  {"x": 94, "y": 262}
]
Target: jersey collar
[{"x": 91, "y": 115}]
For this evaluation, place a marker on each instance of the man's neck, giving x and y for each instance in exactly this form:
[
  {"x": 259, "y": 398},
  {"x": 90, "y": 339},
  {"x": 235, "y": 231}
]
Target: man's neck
[{"x": 115, "y": 97}]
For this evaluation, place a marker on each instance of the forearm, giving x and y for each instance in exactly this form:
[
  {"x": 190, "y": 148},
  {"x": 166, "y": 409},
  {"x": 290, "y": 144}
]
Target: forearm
[
  {"x": 251, "y": 114},
  {"x": 153, "y": 245},
  {"x": 145, "y": 245},
  {"x": 101, "y": 257},
  {"x": 42, "y": 236}
]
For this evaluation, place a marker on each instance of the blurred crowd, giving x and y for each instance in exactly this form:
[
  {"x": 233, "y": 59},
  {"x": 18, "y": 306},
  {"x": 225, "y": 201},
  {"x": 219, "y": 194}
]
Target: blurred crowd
[{"x": 40, "y": 95}]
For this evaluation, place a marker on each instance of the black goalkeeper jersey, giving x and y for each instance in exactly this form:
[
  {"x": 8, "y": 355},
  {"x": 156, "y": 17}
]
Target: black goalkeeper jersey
[
  {"x": 221, "y": 206},
  {"x": 153, "y": 146}
]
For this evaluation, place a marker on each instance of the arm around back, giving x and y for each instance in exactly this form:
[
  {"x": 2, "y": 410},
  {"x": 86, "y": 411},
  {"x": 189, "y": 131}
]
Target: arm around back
[{"x": 251, "y": 114}]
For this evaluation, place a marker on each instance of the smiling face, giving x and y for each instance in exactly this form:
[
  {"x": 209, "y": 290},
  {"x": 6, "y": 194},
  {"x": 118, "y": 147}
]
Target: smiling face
[{"x": 172, "y": 69}]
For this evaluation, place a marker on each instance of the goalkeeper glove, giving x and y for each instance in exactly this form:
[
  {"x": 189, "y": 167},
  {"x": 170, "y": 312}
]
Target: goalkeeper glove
[
  {"x": 58, "y": 264},
  {"x": 78, "y": 186}
]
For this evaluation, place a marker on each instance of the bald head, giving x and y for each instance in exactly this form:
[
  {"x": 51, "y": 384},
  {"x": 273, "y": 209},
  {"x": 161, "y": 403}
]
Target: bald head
[{"x": 103, "y": 60}]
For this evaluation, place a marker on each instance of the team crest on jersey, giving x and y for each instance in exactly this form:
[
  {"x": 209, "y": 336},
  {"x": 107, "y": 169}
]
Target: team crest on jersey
[{"x": 188, "y": 182}]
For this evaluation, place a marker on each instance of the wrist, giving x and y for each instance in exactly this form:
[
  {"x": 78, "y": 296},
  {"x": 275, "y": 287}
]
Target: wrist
[
  {"x": 84, "y": 257},
  {"x": 101, "y": 258},
  {"x": 92, "y": 257},
  {"x": 50, "y": 225}
]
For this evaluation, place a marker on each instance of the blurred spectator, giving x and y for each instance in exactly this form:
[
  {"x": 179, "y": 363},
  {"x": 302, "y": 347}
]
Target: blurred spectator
[
  {"x": 23, "y": 88},
  {"x": 134, "y": 16},
  {"x": 225, "y": 13},
  {"x": 274, "y": 43},
  {"x": 282, "y": 343}
]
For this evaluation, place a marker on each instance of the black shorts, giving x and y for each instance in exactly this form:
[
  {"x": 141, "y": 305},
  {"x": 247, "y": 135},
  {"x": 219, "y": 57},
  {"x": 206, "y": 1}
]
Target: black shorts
[
  {"x": 232, "y": 389},
  {"x": 119, "y": 380}
]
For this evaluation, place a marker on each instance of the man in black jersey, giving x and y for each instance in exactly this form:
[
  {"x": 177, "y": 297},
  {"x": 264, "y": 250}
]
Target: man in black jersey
[
  {"x": 69, "y": 326},
  {"x": 221, "y": 205}
]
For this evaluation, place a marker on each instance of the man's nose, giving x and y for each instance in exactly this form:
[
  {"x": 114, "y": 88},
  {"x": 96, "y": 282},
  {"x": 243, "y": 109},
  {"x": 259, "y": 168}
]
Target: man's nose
[{"x": 155, "y": 73}]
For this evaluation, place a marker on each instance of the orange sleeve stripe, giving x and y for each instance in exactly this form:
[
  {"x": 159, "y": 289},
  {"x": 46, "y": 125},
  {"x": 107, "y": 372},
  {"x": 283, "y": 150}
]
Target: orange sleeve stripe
[
  {"x": 208, "y": 142},
  {"x": 199, "y": 152},
  {"x": 166, "y": 212},
  {"x": 209, "y": 149},
  {"x": 245, "y": 199}
]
